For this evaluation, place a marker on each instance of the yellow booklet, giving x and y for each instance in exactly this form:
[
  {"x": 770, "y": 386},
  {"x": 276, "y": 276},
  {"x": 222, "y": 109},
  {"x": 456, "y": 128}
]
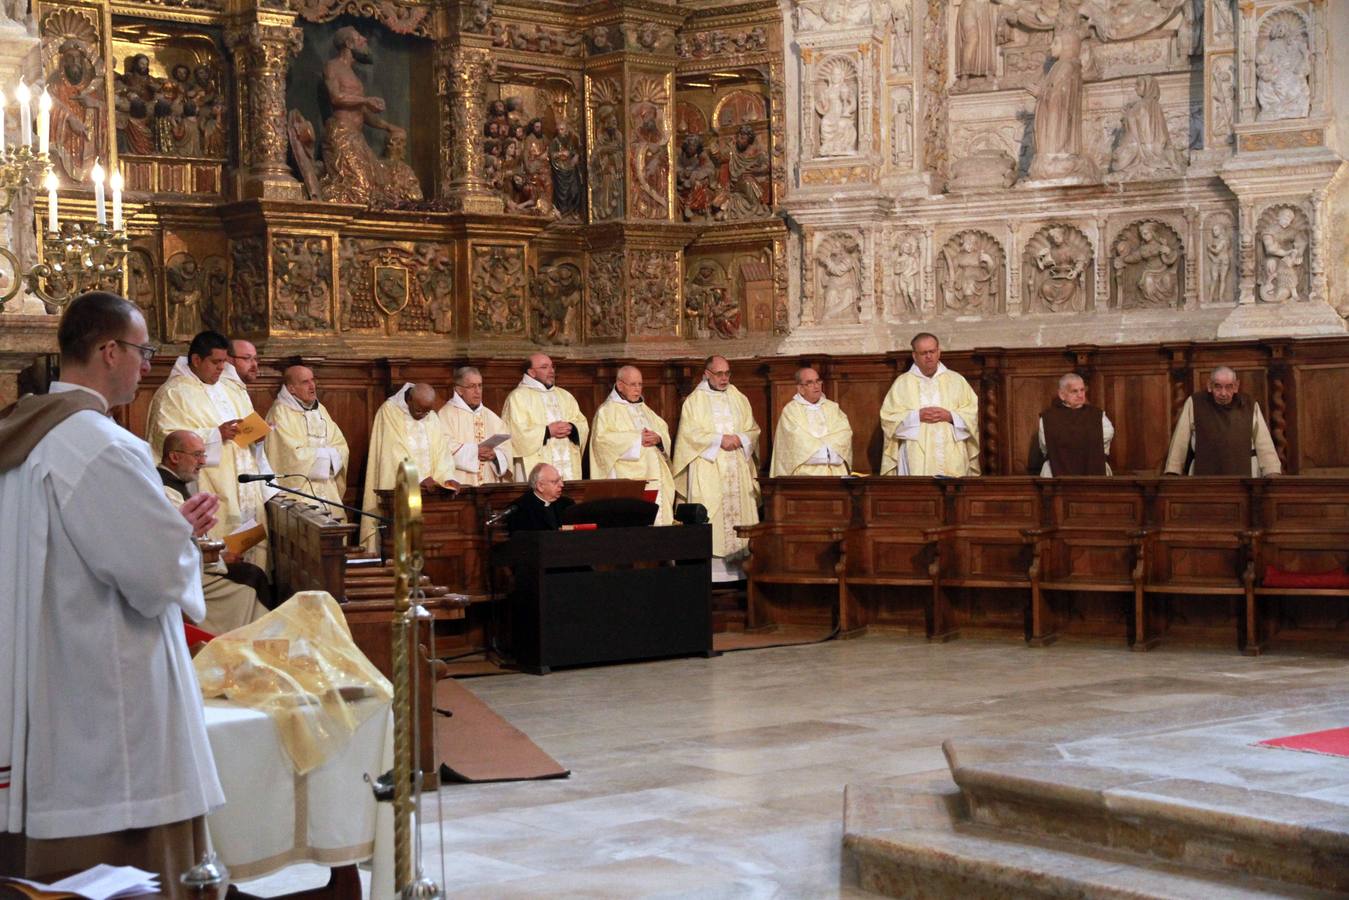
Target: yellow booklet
[
  {"x": 252, "y": 429},
  {"x": 241, "y": 541}
]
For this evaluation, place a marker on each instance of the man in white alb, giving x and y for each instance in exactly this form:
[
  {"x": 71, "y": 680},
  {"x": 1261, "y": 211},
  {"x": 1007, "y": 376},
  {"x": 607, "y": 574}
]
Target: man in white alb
[{"x": 469, "y": 423}]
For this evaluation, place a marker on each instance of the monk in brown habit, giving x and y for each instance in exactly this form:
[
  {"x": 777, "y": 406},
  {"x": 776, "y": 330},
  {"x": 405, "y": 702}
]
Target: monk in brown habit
[
  {"x": 1073, "y": 436},
  {"x": 1222, "y": 432}
]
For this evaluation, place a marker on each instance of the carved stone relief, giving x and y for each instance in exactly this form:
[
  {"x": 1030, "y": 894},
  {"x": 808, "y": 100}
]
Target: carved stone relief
[
  {"x": 1223, "y": 91},
  {"x": 904, "y": 291},
  {"x": 901, "y": 126},
  {"x": 970, "y": 275},
  {"x": 555, "y": 303},
  {"x": 1057, "y": 267},
  {"x": 1283, "y": 236},
  {"x": 607, "y": 152},
  {"x": 140, "y": 287},
  {"x": 1144, "y": 148},
  {"x": 1148, "y": 267},
  {"x": 1283, "y": 61},
  {"x": 535, "y": 38},
  {"x": 498, "y": 288},
  {"x": 648, "y": 36},
  {"x": 710, "y": 305},
  {"x": 1221, "y": 22},
  {"x": 72, "y": 61},
  {"x": 650, "y": 147},
  {"x": 838, "y": 265},
  {"x": 183, "y": 297},
  {"x": 976, "y": 37},
  {"x": 398, "y": 17},
  {"x": 1219, "y": 258},
  {"x": 1058, "y": 107},
  {"x": 835, "y": 100},
  {"x": 248, "y": 285},
  {"x": 899, "y": 14},
  {"x": 604, "y": 303},
  {"x": 182, "y": 112},
  {"x": 653, "y": 290},
  {"x": 986, "y": 165},
  {"x": 303, "y": 272},
  {"x": 402, "y": 286}
]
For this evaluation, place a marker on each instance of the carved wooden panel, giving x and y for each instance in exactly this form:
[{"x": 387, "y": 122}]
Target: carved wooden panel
[
  {"x": 1139, "y": 407},
  {"x": 1086, "y": 560},
  {"x": 1322, "y": 426},
  {"x": 896, "y": 555},
  {"x": 1027, "y": 397}
]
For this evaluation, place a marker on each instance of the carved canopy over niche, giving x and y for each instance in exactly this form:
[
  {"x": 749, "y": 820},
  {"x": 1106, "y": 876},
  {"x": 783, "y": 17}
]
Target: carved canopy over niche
[{"x": 400, "y": 18}]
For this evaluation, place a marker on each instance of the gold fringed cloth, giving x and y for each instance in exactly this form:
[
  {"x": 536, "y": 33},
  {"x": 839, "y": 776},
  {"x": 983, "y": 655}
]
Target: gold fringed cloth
[{"x": 299, "y": 665}]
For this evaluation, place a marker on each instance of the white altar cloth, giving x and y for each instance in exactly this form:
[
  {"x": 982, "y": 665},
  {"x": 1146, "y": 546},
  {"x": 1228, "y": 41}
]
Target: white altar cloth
[{"x": 274, "y": 818}]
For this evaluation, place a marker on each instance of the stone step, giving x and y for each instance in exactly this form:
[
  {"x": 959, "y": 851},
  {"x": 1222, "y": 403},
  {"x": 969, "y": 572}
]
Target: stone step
[
  {"x": 915, "y": 841},
  {"x": 1029, "y": 789}
]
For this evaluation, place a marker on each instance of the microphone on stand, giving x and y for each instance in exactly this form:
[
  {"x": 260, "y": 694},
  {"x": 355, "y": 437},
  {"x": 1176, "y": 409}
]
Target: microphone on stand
[
  {"x": 501, "y": 514},
  {"x": 245, "y": 479}
]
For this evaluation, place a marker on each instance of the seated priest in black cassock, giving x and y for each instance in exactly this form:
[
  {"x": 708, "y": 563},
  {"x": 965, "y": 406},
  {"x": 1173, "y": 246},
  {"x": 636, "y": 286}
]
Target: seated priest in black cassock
[{"x": 541, "y": 507}]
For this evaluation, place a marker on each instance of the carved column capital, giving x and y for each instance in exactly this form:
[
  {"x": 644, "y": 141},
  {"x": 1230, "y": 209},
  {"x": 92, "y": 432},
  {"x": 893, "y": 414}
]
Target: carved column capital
[
  {"x": 262, "y": 49},
  {"x": 462, "y": 73}
]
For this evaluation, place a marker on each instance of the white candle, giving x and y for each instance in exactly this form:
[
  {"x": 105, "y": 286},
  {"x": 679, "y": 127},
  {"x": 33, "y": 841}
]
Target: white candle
[
  {"x": 44, "y": 122},
  {"x": 100, "y": 207},
  {"x": 24, "y": 98},
  {"x": 2, "y": 122},
  {"x": 116, "y": 182},
  {"x": 52, "y": 184}
]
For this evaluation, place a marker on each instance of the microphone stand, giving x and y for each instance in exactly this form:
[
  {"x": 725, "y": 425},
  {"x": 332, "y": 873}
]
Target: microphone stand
[{"x": 383, "y": 521}]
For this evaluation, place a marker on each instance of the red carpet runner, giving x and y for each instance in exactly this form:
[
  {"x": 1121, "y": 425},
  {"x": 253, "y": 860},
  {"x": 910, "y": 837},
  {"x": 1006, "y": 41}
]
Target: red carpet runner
[
  {"x": 1334, "y": 742},
  {"x": 475, "y": 744}
]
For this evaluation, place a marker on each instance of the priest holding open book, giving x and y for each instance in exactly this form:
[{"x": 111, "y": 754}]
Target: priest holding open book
[
  {"x": 478, "y": 439},
  {"x": 197, "y": 398}
]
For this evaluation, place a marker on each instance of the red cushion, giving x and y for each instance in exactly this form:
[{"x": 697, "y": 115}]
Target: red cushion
[
  {"x": 1280, "y": 578},
  {"x": 196, "y": 635}
]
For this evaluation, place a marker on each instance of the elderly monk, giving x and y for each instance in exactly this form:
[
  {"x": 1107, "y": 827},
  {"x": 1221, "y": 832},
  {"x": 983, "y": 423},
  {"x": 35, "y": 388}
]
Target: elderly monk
[
  {"x": 715, "y": 463},
  {"x": 230, "y": 603},
  {"x": 631, "y": 441},
  {"x": 306, "y": 443},
  {"x": 1073, "y": 437},
  {"x": 404, "y": 429},
  {"x": 197, "y": 398},
  {"x": 544, "y": 422},
  {"x": 1221, "y": 432},
  {"x": 813, "y": 436},
  {"x": 103, "y": 746},
  {"x": 468, "y": 422},
  {"x": 930, "y": 418}
]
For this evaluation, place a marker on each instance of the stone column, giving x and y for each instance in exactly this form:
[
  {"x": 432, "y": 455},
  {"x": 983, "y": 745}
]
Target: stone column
[
  {"x": 262, "y": 44},
  {"x": 461, "y": 81}
]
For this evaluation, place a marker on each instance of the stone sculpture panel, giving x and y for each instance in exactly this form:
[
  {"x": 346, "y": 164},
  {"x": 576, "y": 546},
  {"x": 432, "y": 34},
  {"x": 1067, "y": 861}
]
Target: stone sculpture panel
[
  {"x": 838, "y": 272},
  {"x": 710, "y": 304},
  {"x": 396, "y": 286},
  {"x": 498, "y": 289},
  {"x": 904, "y": 289},
  {"x": 607, "y": 150},
  {"x": 532, "y": 152},
  {"x": 1148, "y": 267},
  {"x": 1220, "y": 254},
  {"x": 1283, "y": 237},
  {"x": 302, "y": 272},
  {"x": 971, "y": 278},
  {"x": 834, "y": 93},
  {"x": 649, "y": 147},
  {"x": 604, "y": 303},
  {"x": 248, "y": 285},
  {"x": 1283, "y": 64},
  {"x": 555, "y": 302},
  {"x": 72, "y": 61},
  {"x": 653, "y": 291},
  {"x": 1057, "y": 266}
]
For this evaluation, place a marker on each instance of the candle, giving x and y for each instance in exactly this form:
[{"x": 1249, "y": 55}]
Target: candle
[
  {"x": 100, "y": 207},
  {"x": 52, "y": 184},
  {"x": 116, "y": 182},
  {"x": 24, "y": 98},
  {"x": 44, "y": 122}
]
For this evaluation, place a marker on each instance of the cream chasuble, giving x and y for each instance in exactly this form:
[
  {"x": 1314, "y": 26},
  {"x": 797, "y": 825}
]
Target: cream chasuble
[
  {"x": 466, "y": 428},
  {"x": 527, "y": 412},
  {"x": 307, "y": 445},
  {"x": 616, "y": 450},
  {"x": 724, "y": 481},
  {"x": 930, "y": 448},
  {"x": 394, "y": 437},
  {"x": 812, "y": 439},
  {"x": 186, "y": 403}
]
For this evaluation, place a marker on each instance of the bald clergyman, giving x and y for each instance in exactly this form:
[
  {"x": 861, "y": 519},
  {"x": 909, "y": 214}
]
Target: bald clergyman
[
  {"x": 544, "y": 421},
  {"x": 631, "y": 441},
  {"x": 1073, "y": 437},
  {"x": 1221, "y": 432},
  {"x": 813, "y": 436},
  {"x": 306, "y": 443},
  {"x": 405, "y": 428}
]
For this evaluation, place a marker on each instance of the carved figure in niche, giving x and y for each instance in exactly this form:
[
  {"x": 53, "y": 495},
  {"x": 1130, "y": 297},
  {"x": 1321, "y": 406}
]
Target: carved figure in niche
[
  {"x": 708, "y": 302},
  {"x": 398, "y": 179},
  {"x": 1147, "y": 267},
  {"x": 1145, "y": 149},
  {"x": 1223, "y": 25},
  {"x": 908, "y": 276},
  {"x": 183, "y": 279},
  {"x": 210, "y": 111},
  {"x": 743, "y": 178},
  {"x": 352, "y": 173},
  {"x": 140, "y": 286},
  {"x": 607, "y": 157},
  {"x": 653, "y": 277},
  {"x": 1282, "y": 69},
  {"x": 538, "y": 168},
  {"x": 901, "y": 35},
  {"x": 554, "y": 299},
  {"x": 1224, "y": 96},
  {"x": 901, "y": 127},
  {"x": 498, "y": 281},
  {"x": 1284, "y": 243},
  {"x": 694, "y": 174},
  {"x": 77, "y": 108},
  {"x": 1058, "y": 101},
  {"x": 650, "y": 154},
  {"x": 134, "y": 94},
  {"x": 604, "y": 307},
  {"x": 839, "y": 259},
  {"x": 976, "y": 41},
  {"x": 1059, "y": 263},
  {"x": 176, "y": 129},
  {"x": 564, "y": 161},
  {"x": 303, "y": 296},
  {"x": 1218, "y": 250},
  {"x": 836, "y": 110},
  {"x": 967, "y": 274},
  {"x": 1190, "y": 34}
]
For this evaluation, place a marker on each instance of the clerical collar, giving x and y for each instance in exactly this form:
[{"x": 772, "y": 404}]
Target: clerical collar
[
  {"x": 615, "y": 395},
  {"x": 460, "y": 402},
  {"x": 806, "y": 403},
  {"x": 546, "y": 503},
  {"x": 533, "y": 383},
  {"x": 914, "y": 370},
  {"x": 180, "y": 367},
  {"x": 286, "y": 398},
  {"x": 706, "y": 385},
  {"x": 400, "y": 399},
  {"x": 58, "y": 387}
]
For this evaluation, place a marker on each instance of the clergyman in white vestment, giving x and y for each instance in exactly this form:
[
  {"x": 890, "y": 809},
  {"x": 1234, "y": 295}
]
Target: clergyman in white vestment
[
  {"x": 930, "y": 418},
  {"x": 630, "y": 441},
  {"x": 306, "y": 443},
  {"x": 468, "y": 424},
  {"x": 545, "y": 423},
  {"x": 813, "y": 436}
]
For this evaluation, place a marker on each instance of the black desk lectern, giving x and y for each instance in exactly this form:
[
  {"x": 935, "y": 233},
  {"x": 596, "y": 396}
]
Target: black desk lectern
[{"x": 609, "y": 594}]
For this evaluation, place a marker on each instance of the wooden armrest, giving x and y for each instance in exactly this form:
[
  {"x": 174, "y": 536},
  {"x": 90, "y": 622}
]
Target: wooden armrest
[
  {"x": 934, "y": 533},
  {"x": 1140, "y": 533},
  {"x": 749, "y": 531},
  {"x": 1031, "y": 534}
]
